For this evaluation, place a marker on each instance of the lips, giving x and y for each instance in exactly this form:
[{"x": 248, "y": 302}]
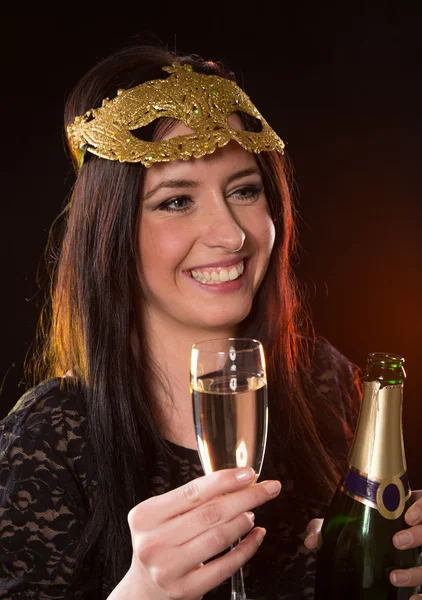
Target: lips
[{"x": 216, "y": 275}]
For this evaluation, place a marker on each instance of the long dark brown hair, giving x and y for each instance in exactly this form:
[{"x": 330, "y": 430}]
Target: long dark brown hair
[{"x": 92, "y": 326}]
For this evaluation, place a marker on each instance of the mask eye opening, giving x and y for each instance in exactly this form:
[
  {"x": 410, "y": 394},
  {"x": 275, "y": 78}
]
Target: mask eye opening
[
  {"x": 249, "y": 122},
  {"x": 156, "y": 130}
]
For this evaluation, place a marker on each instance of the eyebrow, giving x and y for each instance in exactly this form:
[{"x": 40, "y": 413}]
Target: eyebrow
[{"x": 190, "y": 183}]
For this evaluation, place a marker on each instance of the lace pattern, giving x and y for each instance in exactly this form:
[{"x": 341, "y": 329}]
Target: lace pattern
[{"x": 47, "y": 491}]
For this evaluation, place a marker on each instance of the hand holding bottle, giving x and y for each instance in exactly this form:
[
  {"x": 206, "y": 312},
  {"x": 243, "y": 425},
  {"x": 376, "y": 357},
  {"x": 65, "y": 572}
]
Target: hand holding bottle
[
  {"x": 413, "y": 517},
  {"x": 175, "y": 533},
  {"x": 410, "y": 538},
  {"x": 358, "y": 553}
]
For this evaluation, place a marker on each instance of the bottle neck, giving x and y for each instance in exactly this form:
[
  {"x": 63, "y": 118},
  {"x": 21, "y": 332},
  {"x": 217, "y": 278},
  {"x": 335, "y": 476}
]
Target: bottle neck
[
  {"x": 386, "y": 368},
  {"x": 378, "y": 448}
]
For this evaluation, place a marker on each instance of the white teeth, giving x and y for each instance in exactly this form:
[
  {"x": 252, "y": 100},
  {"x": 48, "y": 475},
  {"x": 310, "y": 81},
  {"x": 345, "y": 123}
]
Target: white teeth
[
  {"x": 233, "y": 274},
  {"x": 213, "y": 277}
]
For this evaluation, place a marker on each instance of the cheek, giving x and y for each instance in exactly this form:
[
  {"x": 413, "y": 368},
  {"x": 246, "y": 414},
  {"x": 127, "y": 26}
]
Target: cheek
[
  {"x": 269, "y": 234},
  {"x": 264, "y": 237},
  {"x": 262, "y": 231},
  {"x": 266, "y": 247},
  {"x": 162, "y": 246}
]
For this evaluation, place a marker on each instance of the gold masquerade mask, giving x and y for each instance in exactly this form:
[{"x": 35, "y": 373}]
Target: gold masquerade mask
[{"x": 202, "y": 102}]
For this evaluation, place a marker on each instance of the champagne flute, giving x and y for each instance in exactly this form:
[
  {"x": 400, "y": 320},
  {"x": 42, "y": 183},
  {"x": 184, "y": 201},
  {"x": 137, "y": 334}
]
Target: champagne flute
[{"x": 230, "y": 408}]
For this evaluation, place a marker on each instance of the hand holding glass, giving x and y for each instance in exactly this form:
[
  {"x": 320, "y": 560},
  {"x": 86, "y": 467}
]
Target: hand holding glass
[{"x": 230, "y": 407}]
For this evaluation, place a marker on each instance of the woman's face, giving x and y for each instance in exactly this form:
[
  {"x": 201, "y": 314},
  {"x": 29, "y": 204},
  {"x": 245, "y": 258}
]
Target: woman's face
[{"x": 205, "y": 238}]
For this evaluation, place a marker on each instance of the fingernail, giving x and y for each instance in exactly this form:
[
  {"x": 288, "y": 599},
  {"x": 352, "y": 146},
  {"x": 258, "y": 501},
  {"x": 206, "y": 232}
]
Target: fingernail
[
  {"x": 246, "y": 474},
  {"x": 413, "y": 515},
  {"x": 250, "y": 515},
  {"x": 400, "y": 577},
  {"x": 259, "y": 536},
  {"x": 403, "y": 539},
  {"x": 272, "y": 487}
]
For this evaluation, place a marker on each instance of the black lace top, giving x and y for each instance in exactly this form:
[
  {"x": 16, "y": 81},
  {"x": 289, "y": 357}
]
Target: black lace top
[{"x": 47, "y": 492}]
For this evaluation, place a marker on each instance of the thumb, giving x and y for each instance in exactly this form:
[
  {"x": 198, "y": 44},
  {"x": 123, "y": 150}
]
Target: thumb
[{"x": 313, "y": 534}]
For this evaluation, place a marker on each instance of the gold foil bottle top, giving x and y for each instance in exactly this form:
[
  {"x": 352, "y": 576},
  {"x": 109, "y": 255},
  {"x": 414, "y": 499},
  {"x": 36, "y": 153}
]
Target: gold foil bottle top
[{"x": 377, "y": 464}]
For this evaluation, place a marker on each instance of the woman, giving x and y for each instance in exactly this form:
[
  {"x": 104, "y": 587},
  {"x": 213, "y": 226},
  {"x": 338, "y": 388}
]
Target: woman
[{"x": 180, "y": 182}]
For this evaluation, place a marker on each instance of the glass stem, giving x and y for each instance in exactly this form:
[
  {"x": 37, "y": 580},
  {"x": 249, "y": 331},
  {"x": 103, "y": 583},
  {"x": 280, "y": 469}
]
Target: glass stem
[{"x": 238, "y": 586}]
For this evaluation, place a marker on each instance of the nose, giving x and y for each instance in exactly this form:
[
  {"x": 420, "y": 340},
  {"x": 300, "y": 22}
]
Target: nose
[{"x": 222, "y": 229}]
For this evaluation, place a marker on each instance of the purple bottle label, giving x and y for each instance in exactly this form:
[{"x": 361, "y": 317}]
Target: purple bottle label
[{"x": 388, "y": 495}]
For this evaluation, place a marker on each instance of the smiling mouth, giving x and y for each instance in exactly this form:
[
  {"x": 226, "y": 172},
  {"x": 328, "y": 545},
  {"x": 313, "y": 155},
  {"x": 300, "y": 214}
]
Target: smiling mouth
[{"x": 215, "y": 276}]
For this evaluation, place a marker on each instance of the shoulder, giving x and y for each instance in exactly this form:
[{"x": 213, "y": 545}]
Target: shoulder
[
  {"x": 328, "y": 364},
  {"x": 53, "y": 406},
  {"x": 46, "y": 489},
  {"x": 337, "y": 383},
  {"x": 45, "y": 433}
]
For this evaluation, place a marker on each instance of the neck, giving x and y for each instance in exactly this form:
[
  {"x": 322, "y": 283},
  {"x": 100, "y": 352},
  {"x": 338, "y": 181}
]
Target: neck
[{"x": 169, "y": 344}]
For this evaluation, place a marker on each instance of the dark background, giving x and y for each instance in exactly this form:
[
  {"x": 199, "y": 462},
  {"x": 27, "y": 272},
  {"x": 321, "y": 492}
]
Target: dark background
[{"x": 343, "y": 90}]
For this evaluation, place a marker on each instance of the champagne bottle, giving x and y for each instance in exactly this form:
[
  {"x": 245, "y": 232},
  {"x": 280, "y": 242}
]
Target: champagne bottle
[{"x": 357, "y": 553}]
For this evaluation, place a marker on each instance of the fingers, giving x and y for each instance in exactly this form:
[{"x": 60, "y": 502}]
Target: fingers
[
  {"x": 212, "y": 574},
  {"x": 174, "y": 534},
  {"x": 219, "y": 510},
  {"x": 408, "y": 538},
  {"x": 313, "y": 534},
  {"x": 216, "y": 540},
  {"x": 415, "y": 495},
  {"x": 414, "y": 513},
  {"x": 159, "y": 509},
  {"x": 412, "y": 537},
  {"x": 407, "y": 577}
]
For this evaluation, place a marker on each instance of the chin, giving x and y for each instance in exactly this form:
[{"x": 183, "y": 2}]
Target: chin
[{"x": 228, "y": 322}]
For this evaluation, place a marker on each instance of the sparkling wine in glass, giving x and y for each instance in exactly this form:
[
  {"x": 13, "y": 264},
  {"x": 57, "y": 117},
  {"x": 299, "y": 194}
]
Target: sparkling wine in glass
[{"x": 230, "y": 408}]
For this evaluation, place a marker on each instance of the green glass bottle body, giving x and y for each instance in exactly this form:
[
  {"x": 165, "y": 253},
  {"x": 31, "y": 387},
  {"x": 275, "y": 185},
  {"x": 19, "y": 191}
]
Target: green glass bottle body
[{"x": 357, "y": 553}]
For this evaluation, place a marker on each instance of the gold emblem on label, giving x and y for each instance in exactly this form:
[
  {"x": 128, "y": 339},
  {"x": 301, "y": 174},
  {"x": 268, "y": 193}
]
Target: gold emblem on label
[{"x": 384, "y": 511}]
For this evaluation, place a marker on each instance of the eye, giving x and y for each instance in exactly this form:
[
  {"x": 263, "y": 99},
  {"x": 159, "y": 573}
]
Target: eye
[
  {"x": 247, "y": 192},
  {"x": 179, "y": 204}
]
